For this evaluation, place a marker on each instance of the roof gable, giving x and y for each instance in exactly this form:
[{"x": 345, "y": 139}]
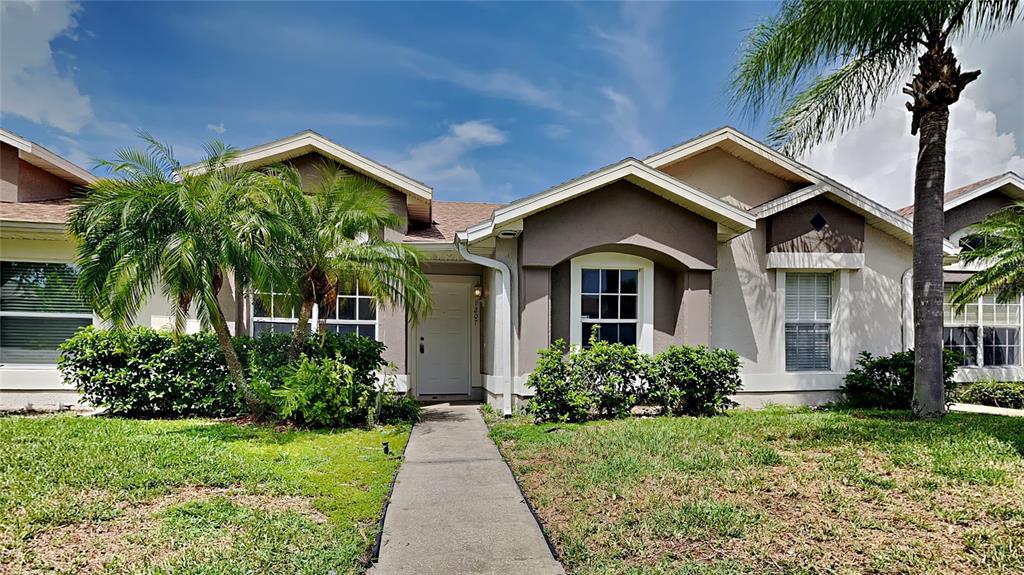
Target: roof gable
[
  {"x": 875, "y": 214},
  {"x": 732, "y": 220},
  {"x": 311, "y": 142},
  {"x": 46, "y": 160},
  {"x": 1008, "y": 183}
]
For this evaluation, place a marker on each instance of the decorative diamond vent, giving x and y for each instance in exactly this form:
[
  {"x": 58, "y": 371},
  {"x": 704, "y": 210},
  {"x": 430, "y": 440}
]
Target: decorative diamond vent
[{"x": 818, "y": 221}]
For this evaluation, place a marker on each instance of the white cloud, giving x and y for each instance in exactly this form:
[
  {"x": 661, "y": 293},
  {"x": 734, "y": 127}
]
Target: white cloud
[
  {"x": 623, "y": 120},
  {"x": 217, "y": 128},
  {"x": 878, "y": 157},
  {"x": 441, "y": 161},
  {"x": 633, "y": 45},
  {"x": 31, "y": 86},
  {"x": 501, "y": 83}
]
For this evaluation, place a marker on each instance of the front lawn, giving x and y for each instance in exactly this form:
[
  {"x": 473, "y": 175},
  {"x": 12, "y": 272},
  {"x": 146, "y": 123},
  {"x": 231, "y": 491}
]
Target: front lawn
[
  {"x": 778, "y": 491},
  {"x": 99, "y": 495}
]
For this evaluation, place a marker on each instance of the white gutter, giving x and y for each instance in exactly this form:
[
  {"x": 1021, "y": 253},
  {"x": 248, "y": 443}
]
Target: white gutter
[{"x": 504, "y": 310}]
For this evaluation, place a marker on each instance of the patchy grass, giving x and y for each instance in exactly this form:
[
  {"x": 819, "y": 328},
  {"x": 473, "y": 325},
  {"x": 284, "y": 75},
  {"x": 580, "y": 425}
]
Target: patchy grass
[
  {"x": 99, "y": 495},
  {"x": 778, "y": 491}
]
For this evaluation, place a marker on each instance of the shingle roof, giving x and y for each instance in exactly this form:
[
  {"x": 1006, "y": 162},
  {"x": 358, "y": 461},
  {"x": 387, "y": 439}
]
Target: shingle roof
[
  {"x": 451, "y": 217},
  {"x": 44, "y": 211},
  {"x": 908, "y": 211}
]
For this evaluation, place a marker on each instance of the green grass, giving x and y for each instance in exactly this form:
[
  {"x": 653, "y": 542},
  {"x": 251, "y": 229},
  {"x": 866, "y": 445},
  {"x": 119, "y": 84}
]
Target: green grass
[
  {"x": 130, "y": 496},
  {"x": 778, "y": 491}
]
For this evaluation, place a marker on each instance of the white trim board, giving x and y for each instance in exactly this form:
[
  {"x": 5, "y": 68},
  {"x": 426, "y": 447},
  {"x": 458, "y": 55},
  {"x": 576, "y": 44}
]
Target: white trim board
[
  {"x": 1008, "y": 178},
  {"x": 310, "y": 141},
  {"x": 814, "y": 261}
]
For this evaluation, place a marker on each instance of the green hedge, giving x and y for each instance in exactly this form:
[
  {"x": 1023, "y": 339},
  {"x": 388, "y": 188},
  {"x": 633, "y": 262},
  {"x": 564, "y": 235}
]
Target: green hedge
[
  {"x": 142, "y": 372},
  {"x": 609, "y": 380},
  {"x": 1009, "y": 394},
  {"x": 887, "y": 381}
]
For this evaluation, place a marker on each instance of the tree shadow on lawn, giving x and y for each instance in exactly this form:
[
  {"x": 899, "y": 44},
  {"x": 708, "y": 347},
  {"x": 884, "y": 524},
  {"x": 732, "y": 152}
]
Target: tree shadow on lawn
[
  {"x": 252, "y": 433},
  {"x": 875, "y": 426}
]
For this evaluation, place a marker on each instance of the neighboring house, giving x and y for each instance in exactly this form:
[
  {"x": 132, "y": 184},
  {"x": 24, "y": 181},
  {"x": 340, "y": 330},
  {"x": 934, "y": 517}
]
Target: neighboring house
[
  {"x": 987, "y": 333},
  {"x": 720, "y": 240}
]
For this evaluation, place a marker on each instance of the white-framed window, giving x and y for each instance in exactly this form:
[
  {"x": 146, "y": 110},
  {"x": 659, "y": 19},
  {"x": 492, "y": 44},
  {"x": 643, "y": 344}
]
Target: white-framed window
[
  {"x": 354, "y": 312},
  {"x": 986, "y": 332},
  {"x": 39, "y": 309},
  {"x": 808, "y": 312},
  {"x": 608, "y": 302},
  {"x": 615, "y": 293}
]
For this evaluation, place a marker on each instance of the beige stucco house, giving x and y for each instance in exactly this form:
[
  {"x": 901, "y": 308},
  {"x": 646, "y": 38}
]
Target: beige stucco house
[{"x": 720, "y": 240}]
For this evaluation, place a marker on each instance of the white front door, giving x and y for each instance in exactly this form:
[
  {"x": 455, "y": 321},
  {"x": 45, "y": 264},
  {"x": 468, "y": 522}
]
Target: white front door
[{"x": 442, "y": 343}]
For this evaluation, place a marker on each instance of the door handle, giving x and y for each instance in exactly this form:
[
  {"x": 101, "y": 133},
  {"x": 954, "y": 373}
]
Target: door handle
[{"x": 421, "y": 348}]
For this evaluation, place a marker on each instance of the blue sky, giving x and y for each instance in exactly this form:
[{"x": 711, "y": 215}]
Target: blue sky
[{"x": 483, "y": 101}]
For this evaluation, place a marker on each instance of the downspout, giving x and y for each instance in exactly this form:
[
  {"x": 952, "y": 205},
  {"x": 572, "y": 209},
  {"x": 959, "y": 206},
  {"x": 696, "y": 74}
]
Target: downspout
[{"x": 505, "y": 307}]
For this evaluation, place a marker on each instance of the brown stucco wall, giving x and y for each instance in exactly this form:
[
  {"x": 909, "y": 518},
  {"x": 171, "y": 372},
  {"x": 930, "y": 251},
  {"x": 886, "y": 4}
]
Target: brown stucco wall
[
  {"x": 625, "y": 217},
  {"x": 8, "y": 173},
  {"x": 974, "y": 211},
  {"x": 534, "y": 291},
  {"x": 727, "y": 177},
  {"x": 561, "y": 292},
  {"x": 20, "y": 181},
  {"x": 791, "y": 230}
]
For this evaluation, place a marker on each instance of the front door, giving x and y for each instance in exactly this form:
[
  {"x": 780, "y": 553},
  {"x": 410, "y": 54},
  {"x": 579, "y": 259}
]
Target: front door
[{"x": 443, "y": 342}]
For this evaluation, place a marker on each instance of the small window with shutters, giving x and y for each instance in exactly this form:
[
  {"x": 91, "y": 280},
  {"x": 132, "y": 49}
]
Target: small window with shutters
[
  {"x": 808, "y": 321},
  {"x": 39, "y": 309}
]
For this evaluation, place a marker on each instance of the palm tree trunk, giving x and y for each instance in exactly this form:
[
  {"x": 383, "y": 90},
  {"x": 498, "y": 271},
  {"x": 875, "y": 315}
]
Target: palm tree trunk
[
  {"x": 220, "y": 327},
  {"x": 301, "y": 331},
  {"x": 929, "y": 188}
]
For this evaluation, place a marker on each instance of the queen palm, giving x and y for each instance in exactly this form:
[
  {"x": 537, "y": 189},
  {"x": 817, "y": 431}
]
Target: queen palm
[
  {"x": 822, "y": 66},
  {"x": 997, "y": 243},
  {"x": 335, "y": 237},
  {"x": 153, "y": 227}
]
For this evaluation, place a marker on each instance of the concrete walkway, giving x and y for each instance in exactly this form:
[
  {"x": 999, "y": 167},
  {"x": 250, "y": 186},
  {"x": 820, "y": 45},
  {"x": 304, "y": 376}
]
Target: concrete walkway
[
  {"x": 971, "y": 408},
  {"x": 456, "y": 508}
]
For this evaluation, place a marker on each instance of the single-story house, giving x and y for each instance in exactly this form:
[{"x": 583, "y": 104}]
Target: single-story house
[
  {"x": 986, "y": 333},
  {"x": 720, "y": 240}
]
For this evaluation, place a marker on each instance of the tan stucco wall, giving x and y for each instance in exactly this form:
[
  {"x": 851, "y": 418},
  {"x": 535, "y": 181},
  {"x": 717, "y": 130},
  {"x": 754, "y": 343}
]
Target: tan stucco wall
[
  {"x": 791, "y": 230},
  {"x": 727, "y": 177},
  {"x": 745, "y": 307},
  {"x": 309, "y": 165},
  {"x": 20, "y": 181}
]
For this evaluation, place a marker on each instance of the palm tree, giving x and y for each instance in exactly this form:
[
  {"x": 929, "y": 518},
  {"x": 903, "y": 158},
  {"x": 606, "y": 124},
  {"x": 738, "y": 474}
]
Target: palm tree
[
  {"x": 823, "y": 66},
  {"x": 335, "y": 230},
  {"x": 153, "y": 224},
  {"x": 997, "y": 243}
]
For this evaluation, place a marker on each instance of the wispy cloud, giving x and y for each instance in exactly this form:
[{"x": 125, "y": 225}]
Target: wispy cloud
[
  {"x": 31, "y": 86},
  {"x": 497, "y": 82},
  {"x": 217, "y": 128},
  {"x": 555, "y": 131},
  {"x": 318, "y": 119},
  {"x": 633, "y": 46},
  {"x": 442, "y": 161},
  {"x": 623, "y": 120}
]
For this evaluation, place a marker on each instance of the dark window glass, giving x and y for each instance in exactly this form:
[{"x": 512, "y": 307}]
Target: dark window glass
[
  {"x": 591, "y": 281},
  {"x": 627, "y": 307},
  {"x": 609, "y": 281},
  {"x": 367, "y": 331},
  {"x": 590, "y": 306},
  {"x": 367, "y": 309},
  {"x": 344, "y": 328},
  {"x": 347, "y": 308},
  {"x": 627, "y": 333},
  {"x": 1001, "y": 345},
  {"x": 963, "y": 340},
  {"x": 628, "y": 279},
  {"x": 610, "y": 332},
  {"x": 609, "y": 307}
]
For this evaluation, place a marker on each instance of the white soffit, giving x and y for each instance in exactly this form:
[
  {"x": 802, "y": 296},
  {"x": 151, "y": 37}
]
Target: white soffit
[{"x": 632, "y": 170}]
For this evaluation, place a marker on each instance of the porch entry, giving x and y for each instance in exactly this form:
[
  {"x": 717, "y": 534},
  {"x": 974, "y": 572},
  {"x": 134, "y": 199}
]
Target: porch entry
[{"x": 443, "y": 345}]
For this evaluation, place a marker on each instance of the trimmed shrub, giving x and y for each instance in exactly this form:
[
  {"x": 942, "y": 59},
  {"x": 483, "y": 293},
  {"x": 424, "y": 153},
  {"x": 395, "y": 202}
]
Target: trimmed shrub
[
  {"x": 887, "y": 381},
  {"x": 574, "y": 384},
  {"x": 1009, "y": 394},
  {"x": 693, "y": 380},
  {"x": 558, "y": 397},
  {"x": 142, "y": 372}
]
